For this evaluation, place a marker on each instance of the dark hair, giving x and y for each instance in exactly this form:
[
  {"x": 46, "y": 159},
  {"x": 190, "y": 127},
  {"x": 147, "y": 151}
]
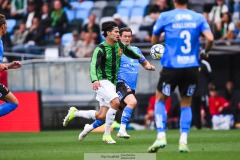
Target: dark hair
[
  {"x": 108, "y": 26},
  {"x": 2, "y": 19},
  {"x": 182, "y": 1},
  {"x": 153, "y": 9},
  {"x": 125, "y": 29}
]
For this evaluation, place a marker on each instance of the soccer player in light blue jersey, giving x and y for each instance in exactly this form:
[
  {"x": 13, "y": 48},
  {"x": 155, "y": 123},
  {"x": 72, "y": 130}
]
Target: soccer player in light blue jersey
[
  {"x": 126, "y": 86},
  {"x": 11, "y": 102},
  {"x": 180, "y": 61}
]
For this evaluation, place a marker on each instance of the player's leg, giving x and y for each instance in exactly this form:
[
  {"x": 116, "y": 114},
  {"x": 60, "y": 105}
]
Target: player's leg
[
  {"x": 97, "y": 123},
  {"x": 166, "y": 85},
  {"x": 107, "y": 92},
  {"x": 187, "y": 87},
  {"x": 74, "y": 112},
  {"x": 126, "y": 97},
  {"x": 11, "y": 101},
  {"x": 131, "y": 103}
]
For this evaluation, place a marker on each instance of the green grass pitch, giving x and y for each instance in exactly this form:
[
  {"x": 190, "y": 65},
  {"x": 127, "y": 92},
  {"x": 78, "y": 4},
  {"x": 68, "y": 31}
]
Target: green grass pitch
[{"x": 63, "y": 145}]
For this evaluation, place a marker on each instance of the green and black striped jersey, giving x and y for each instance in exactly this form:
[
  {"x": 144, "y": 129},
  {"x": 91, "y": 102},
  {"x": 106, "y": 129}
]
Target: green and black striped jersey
[{"x": 106, "y": 61}]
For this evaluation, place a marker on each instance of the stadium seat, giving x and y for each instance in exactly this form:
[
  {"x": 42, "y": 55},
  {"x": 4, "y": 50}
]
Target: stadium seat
[
  {"x": 97, "y": 11},
  {"x": 123, "y": 11},
  {"x": 103, "y": 19},
  {"x": 136, "y": 19},
  {"x": 75, "y": 4},
  {"x": 137, "y": 11},
  {"x": 113, "y": 3},
  {"x": 235, "y": 17},
  {"x": 127, "y": 3},
  {"x": 67, "y": 37},
  {"x": 236, "y": 7},
  {"x": 108, "y": 11},
  {"x": 70, "y": 14},
  {"x": 100, "y": 4},
  {"x": 142, "y": 3},
  {"x": 82, "y": 13},
  {"x": 86, "y": 4},
  {"x": 11, "y": 23}
]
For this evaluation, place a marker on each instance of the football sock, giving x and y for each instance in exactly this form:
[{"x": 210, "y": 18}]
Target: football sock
[
  {"x": 110, "y": 116},
  {"x": 126, "y": 115},
  {"x": 97, "y": 123},
  {"x": 185, "y": 119},
  {"x": 160, "y": 116},
  {"x": 183, "y": 137},
  {"x": 7, "y": 108},
  {"x": 90, "y": 114}
]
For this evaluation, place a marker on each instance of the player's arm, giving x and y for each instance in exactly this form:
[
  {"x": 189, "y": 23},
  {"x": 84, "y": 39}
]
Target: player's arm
[
  {"x": 205, "y": 28},
  {"x": 95, "y": 61},
  {"x": 14, "y": 65},
  {"x": 129, "y": 52},
  {"x": 3, "y": 67},
  {"x": 148, "y": 66}
]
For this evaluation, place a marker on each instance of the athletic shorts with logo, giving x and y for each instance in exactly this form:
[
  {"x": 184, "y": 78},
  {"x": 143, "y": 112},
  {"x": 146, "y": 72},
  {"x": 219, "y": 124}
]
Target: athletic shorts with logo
[{"x": 185, "y": 78}]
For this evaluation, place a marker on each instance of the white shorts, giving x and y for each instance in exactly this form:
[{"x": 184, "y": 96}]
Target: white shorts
[{"x": 106, "y": 93}]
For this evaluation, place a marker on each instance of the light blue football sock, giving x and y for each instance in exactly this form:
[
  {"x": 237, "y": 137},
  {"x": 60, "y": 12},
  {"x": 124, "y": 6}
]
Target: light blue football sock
[
  {"x": 97, "y": 123},
  {"x": 126, "y": 115},
  {"x": 7, "y": 108},
  {"x": 160, "y": 116},
  {"x": 185, "y": 119}
]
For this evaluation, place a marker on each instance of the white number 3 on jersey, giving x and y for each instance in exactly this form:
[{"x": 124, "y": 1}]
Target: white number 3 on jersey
[{"x": 187, "y": 40}]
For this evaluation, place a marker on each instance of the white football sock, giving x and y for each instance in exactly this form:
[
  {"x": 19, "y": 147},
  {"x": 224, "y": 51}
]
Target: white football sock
[
  {"x": 161, "y": 135},
  {"x": 122, "y": 128},
  {"x": 110, "y": 116},
  {"x": 90, "y": 114},
  {"x": 183, "y": 137}
]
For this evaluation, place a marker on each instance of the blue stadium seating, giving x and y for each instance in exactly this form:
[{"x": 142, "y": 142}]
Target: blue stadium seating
[
  {"x": 11, "y": 23},
  {"x": 70, "y": 14},
  {"x": 66, "y": 38},
  {"x": 127, "y": 3},
  {"x": 123, "y": 11},
  {"x": 137, "y": 11}
]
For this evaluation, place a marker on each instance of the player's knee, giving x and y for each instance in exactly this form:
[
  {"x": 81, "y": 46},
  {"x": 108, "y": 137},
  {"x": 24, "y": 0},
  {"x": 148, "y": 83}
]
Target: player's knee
[
  {"x": 101, "y": 117},
  {"x": 115, "y": 103},
  {"x": 132, "y": 103}
]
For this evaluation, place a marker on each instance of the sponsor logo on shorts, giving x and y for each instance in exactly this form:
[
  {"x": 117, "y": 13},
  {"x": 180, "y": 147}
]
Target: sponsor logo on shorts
[
  {"x": 120, "y": 96},
  {"x": 191, "y": 90},
  {"x": 166, "y": 89}
]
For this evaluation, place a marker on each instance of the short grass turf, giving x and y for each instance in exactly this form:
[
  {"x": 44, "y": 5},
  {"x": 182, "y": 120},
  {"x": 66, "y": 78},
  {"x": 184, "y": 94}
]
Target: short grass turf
[{"x": 63, "y": 145}]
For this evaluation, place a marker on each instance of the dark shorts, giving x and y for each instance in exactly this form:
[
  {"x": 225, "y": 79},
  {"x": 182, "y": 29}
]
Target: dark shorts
[
  {"x": 123, "y": 90},
  {"x": 3, "y": 91},
  {"x": 185, "y": 78}
]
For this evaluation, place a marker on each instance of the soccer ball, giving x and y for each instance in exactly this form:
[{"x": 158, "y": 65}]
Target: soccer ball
[{"x": 156, "y": 51}]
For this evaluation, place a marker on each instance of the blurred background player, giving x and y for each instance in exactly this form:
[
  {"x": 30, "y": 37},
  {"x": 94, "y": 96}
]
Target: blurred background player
[
  {"x": 5, "y": 95},
  {"x": 200, "y": 97},
  {"x": 180, "y": 63}
]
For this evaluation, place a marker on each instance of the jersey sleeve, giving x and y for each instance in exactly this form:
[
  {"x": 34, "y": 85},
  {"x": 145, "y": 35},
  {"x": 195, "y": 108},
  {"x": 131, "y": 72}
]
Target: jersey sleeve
[
  {"x": 158, "y": 27},
  {"x": 143, "y": 57},
  {"x": 95, "y": 61},
  {"x": 204, "y": 24},
  {"x": 129, "y": 52}
]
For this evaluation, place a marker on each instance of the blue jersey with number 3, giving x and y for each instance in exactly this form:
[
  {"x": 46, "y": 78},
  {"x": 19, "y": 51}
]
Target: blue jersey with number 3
[
  {"x": 129, "y": 68},
  {"x": 182, "y": 29}
]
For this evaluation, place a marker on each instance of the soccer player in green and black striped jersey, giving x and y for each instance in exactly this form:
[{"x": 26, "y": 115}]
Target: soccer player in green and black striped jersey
[{"x": 104, "y": 68}]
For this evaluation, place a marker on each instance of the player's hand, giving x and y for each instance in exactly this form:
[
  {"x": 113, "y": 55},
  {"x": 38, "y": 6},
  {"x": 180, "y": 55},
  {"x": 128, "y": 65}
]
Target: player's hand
[
  {"x": 96, "y": 85},
  {"x": 14, "y": 65},
  {"x": 203, "y": 54},
  {"x": 151, "y": 68},
  {"x": 3, "y": 67}
]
